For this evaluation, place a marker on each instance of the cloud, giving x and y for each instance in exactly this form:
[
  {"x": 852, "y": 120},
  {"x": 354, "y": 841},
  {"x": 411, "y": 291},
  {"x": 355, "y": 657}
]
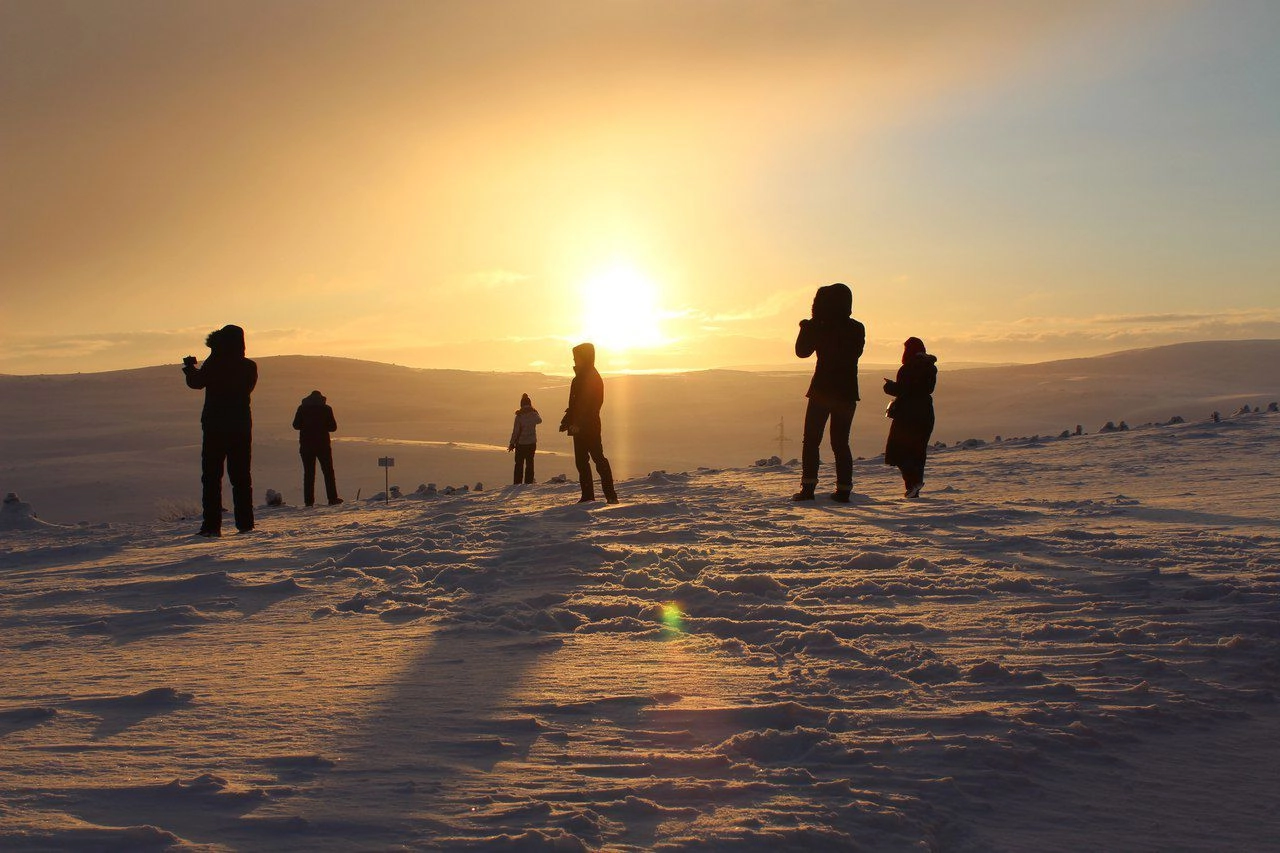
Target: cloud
[{"x": 495, "y": 279}]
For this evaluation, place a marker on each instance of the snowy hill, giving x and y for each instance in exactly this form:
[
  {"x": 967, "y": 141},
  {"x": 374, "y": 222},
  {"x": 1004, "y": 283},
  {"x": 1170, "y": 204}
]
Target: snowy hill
[
  {"x": 1066, "y": 645},
  {"x": 111, "y": 446}
]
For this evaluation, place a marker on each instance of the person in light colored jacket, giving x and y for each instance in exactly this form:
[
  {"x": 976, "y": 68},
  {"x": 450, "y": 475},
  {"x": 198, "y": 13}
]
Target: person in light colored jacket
[{"x": 524, "y": 439}]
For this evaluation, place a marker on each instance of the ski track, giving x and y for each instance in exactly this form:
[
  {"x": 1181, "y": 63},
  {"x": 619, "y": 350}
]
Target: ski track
[{"x": 705, "y": 666}]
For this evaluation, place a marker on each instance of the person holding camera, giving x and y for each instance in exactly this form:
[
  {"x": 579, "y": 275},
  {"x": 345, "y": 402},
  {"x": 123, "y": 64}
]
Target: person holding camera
[
  {"x": 838, "y": 339},
  {"x": 582, "y": 422},
  {"x": 227, "y": 378}
]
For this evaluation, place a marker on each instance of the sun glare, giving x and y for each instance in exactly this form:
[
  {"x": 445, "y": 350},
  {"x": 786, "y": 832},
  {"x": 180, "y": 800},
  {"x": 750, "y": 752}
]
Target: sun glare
[{"x": 620, "y": 310}]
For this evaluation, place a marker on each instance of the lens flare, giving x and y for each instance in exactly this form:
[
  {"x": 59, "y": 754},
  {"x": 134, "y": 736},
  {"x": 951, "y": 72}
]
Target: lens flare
[{"x": 672, "y": 617}]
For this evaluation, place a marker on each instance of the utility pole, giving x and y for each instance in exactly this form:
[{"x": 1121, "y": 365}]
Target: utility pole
[{"x": 782, "y": 438}]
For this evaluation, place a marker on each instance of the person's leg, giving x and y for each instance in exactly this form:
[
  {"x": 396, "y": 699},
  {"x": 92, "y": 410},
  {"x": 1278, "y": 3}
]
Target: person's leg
[
  {"x": 308, "y": 475},
  {"x": 581, "y": 454},
  {"x": 604, "y": 469},
  {"x": 841, "y": 423},
  {"x": 325, "y": 457},
  {"x": 239, "y": 459},
  {"x": 517, "y": 470},
  {"x": 529, "y": 450},
  {"x": 815, "y": 422},
  {"x": 212, "y": 453}
]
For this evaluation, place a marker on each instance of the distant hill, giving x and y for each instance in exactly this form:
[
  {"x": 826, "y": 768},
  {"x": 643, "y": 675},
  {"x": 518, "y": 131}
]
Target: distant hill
[{"x": 107, "y": 446}]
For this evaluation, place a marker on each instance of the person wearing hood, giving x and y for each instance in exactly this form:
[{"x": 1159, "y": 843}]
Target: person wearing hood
[
  {"x": 524, "y": 439},
  {"x": 912, "y": 414},
  {"x": 838, "y": 339},
  {"x": 582, "y": 421},
  {"x": 227, "y": 378},
  {"x": 314, "y": 421}
]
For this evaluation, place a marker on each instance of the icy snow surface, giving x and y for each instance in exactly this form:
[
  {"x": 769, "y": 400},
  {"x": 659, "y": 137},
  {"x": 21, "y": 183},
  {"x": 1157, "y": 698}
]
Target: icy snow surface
[{"x": 1065, "y": 645}]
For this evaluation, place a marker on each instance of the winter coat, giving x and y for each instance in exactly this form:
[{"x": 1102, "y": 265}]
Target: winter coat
[
  {"x": 911, "y": 410},
  {"x": 586, "y": 395},
  {"x": 228, "y": 378},
  {"x": 525, "y": 429},
  {"x": 314, "y": 421},
  {"x": 838, "y": 339}
]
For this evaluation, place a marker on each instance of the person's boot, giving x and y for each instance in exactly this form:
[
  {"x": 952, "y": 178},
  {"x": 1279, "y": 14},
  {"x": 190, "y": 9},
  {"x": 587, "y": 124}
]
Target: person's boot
[
  {"x": 805, "y": 493},
  {"x": 840, "y": 496},
  {"x": 335, "y": 501},
  {"x": 610, "y": 496},
  {"x": 209, "y": 532}
]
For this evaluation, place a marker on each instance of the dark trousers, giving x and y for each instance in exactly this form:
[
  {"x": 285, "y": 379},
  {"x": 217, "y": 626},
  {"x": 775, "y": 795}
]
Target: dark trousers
[
  {"x": 912, "y": 473},
  {"x": 234, "y": 448},
  {"x": 524, "y": 463},
  {"x": 815, "y": 423},
  {"x": 310, "y": 456},
  {"x": 586, "y": 449}
]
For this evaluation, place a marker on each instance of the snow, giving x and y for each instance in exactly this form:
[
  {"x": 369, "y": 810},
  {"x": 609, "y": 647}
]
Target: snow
[{"x": 1068, "y": 644}]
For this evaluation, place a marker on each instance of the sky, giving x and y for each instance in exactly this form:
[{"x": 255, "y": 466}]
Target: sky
[{"x": 481, "y": 185}]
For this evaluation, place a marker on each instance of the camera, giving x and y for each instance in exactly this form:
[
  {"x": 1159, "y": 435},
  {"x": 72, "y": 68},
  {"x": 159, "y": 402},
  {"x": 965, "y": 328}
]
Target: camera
[{"x": 189, "y": 361}]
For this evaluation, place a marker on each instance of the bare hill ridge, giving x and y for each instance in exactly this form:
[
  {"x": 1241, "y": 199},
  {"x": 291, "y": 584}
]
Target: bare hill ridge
[{"x": 108, "y": 445}]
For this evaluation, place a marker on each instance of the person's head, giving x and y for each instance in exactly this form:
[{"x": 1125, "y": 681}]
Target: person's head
[
  {"x": 315, "y": 398},
  {"x": 912, "y": 347},
  {"x": 584, "y": 355},
  {"x": 833, "y": 302},
  {"x": 229, "y": 340},
  {"x": 525, "y": 402}
]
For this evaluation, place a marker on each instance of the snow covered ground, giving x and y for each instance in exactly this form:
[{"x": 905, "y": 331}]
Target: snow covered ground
[{"x": 1066, "y": 645}]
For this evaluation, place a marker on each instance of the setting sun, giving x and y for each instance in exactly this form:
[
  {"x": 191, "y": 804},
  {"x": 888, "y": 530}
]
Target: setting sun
[{"x": 620, "y": 310}]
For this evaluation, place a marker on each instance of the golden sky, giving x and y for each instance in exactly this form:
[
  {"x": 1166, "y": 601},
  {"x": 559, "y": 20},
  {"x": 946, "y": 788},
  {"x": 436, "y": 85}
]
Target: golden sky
[{"x": 481, "y": 184}]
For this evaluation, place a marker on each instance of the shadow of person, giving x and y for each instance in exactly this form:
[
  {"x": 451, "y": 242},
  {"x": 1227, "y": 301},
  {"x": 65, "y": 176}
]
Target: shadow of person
[{"x": 426, "y": 755}]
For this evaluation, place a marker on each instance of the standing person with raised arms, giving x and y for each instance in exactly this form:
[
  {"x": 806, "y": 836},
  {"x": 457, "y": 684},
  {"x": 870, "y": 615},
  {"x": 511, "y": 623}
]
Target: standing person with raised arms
[
  {"x": 838, "y": 339},
  {"x": 582, "y": 422},
  {"x": 314, "y": 421},
  {"x": 228, "y": 378}
]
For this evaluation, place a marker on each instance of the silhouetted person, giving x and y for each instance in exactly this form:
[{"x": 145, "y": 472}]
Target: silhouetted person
[
  {"x": 912, "y": 413},
  {"x": 524, "y": 439},
  {"x": 228, "y": 378},
  {"x": 314, "y": 421},
  {"x": 582, "y": 421},
  {"x": 838, "y": 339}
]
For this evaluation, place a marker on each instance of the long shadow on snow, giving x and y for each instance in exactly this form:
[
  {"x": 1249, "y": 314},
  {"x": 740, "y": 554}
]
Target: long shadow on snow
[{"x": 427, "y": 753}]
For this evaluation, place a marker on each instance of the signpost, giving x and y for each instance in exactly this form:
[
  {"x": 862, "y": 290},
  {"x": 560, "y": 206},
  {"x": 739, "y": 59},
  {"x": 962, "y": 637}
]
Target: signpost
[{"x": 386, "y": 463}]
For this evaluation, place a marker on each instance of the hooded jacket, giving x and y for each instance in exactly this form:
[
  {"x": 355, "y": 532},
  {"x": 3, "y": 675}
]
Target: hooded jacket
[
  {"x": 228, "y": 378},
  {"x": 913, "y": 388},
  {"x": 525, "y": 429},
  {"x": 838, "y": 339},
  {"x": 586, "y": 394},
  {"x": 314, "y": 421}
]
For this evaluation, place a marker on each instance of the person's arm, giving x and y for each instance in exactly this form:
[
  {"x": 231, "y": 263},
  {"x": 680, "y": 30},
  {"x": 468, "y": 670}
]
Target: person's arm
[
  {"x": 195, "y": 376},
  {"x": 253, "y": 375},
  {"x": 297, "y": 419},
  {"x": 859, "y": 339},
  {"x": 537, "y": 417},
  {"x": 901, "y": 387},
  {"x": 807, "y": 339},
  {"x": 571, "y": 410},
  {"x": 333, "y": 422},
  {"x": 515, "y": 433}
]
